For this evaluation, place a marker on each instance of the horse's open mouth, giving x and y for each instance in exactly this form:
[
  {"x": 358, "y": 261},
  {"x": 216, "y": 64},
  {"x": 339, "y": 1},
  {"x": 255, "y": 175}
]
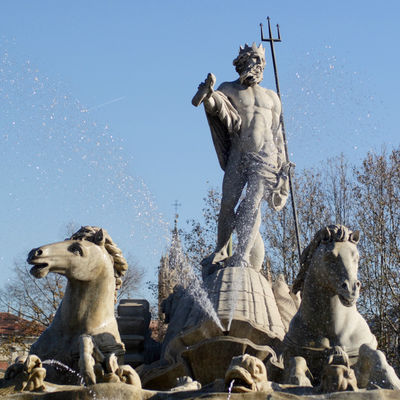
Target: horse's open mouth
[
  {"x": 38, "y": 270},
  {"x": 347, "y": 301}
]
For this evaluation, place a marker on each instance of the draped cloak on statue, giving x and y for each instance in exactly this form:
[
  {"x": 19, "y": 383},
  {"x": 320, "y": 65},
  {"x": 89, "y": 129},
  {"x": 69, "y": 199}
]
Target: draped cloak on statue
[{"x": 224, "y": 124}]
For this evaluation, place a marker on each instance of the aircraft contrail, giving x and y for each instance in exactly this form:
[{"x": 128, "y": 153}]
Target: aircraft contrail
[{"x": 106, "y": 103}]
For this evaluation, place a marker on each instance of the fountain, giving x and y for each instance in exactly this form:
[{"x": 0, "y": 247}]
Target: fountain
[{"x": 231, "y": 332}]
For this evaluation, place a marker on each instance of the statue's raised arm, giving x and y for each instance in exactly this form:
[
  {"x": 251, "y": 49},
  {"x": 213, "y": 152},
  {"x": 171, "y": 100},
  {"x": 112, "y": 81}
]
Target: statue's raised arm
[{"x": 223, "y": 118}]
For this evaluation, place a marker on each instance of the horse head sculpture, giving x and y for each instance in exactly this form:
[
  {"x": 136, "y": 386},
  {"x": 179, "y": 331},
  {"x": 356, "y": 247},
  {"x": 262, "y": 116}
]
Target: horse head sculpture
[
  {"x": 327, "y": 315},
  {"x": 94, "y": 266},
  {"x": 330, "y": 263}
]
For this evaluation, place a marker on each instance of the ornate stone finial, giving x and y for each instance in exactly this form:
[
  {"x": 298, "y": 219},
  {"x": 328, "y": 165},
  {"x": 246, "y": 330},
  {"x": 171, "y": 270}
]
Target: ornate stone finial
[{"x": 176, "y": 205}]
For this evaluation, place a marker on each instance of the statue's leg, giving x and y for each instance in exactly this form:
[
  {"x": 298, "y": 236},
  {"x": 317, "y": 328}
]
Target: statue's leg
[
  {"x": 257, "y": 252},
  {"x": 248, "y": 220},
  {"x": 232, "y": 187},
  {"x": 86, "y": 359}
]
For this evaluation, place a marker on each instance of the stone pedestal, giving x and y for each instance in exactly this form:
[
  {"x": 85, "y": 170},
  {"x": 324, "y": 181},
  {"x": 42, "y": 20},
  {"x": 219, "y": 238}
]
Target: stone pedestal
[{"x": 202, "y": 347}]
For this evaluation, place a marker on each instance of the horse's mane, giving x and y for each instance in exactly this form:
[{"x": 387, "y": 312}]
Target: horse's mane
[
  {"x": 120, "y": 264},
  {"x": 330, "y": 233}
]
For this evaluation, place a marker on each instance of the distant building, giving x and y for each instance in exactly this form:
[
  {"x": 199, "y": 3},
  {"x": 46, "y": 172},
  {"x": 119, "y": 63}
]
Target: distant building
[
  {"x": 16, "y": 336},
  {"x": 174, "y": 269}
]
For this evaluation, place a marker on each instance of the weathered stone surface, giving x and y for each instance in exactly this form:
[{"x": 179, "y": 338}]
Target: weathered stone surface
[
  {"x": 243, "y": 303},
  {"x": 247, "y": 374},
  {"x": 119, "y": 391},
  {"x": 93, "y": 265},
  {"x": 338, "y": 378},
  {"x": 243, "y": 294},
  {"x": 288, "y": 303},
  {"x": 372, "y": 369},
  {"x": 328, "y": 315}
]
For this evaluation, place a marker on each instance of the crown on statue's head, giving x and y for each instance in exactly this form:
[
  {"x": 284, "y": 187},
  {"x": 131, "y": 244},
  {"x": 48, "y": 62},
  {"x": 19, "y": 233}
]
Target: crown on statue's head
[{"x": 252, "y": 49}]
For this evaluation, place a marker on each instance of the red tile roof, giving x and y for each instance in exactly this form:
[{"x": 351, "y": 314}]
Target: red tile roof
[
  {"x": 4, "y": 365},
  {"x": 11, "y": 324}
]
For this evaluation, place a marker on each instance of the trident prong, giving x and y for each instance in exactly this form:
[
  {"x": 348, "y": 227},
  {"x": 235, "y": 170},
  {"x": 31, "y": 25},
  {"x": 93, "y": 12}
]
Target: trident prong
[{"x": 271, "y": 41}]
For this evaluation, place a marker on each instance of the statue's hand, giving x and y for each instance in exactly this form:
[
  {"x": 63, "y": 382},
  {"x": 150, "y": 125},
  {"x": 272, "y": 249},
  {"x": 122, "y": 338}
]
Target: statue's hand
[{"x": 204, "y": 90}]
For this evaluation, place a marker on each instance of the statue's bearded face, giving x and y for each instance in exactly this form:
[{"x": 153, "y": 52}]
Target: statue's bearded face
[{"x": 252, "y": 70}]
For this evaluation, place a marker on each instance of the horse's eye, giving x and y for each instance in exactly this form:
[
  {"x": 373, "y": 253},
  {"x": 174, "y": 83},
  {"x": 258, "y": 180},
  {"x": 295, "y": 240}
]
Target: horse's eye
[{"x": 76, "y": 249}]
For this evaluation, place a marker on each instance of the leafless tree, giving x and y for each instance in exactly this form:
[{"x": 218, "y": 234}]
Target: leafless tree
[
  {"x": 279, "y": 230},
  {"x": 339, "y": 183},
  {"x": 33, "y": 299},
  {"x": 377, "y": 192},
  {"x": 132, "y": 281},
  {"x": 199, "y": 237}
]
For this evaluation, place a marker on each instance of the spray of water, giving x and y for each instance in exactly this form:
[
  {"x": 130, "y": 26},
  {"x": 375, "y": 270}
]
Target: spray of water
[
  {"x": 60, "y": 162},
  {"x": 58, "y": 365},
  {"x": 330, "y": 107},
  {"x": 199, "y": 295},
  {"x": 188, "y": 279}
]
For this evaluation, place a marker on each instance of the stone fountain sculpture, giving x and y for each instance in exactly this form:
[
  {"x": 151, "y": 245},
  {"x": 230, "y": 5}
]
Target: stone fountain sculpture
[
  {"x": 328, "y": 315},
  {"x": 84, "y": 330},
  {"x": 244, "y": 120},
  {"x": 327, "y": 325},
  {"x": 259, "y": 337},
  {"x": 325, "y": 350}
]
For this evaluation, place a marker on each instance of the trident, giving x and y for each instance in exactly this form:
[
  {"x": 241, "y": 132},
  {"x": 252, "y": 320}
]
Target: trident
[{"x": 271, "y": 41}]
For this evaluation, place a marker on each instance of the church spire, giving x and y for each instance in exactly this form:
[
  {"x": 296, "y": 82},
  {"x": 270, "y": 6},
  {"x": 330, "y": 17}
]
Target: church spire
[{"x": 172, "y": 264}]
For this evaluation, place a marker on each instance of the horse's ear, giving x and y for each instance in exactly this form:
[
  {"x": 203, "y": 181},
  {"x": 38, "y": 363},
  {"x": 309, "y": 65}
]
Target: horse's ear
[
  {"x": 325, "y": 235},
  {"x": 355, "y": 237},
  {"x": 99, "y": 238}
]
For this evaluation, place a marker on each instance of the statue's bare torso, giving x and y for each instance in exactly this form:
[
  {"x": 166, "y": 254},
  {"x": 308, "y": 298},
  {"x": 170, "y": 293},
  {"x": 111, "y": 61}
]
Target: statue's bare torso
[{"x": 259, "y": 109}]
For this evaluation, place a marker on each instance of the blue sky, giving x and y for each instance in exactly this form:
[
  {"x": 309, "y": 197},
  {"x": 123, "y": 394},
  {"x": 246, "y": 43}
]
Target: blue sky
[{"x": 96, "y": 123}]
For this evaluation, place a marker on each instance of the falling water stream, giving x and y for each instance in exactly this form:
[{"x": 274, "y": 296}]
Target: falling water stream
[
  {"x": 191, "y": 282},
  {"x": 230, "y": 389},
  {"x": 58, "y": 365}
]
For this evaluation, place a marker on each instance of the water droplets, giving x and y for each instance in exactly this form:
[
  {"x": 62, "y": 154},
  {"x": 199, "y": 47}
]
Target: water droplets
[
  {"x": 72, "y": 166},
  {"x": 58, "y": 365},
  {"x": 328, "y": 106}
]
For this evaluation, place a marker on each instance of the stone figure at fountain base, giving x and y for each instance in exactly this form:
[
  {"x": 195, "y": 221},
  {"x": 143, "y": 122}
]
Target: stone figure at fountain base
[
  {"x": 255, "y": 324},
  {"x": 245, "y": 305}
]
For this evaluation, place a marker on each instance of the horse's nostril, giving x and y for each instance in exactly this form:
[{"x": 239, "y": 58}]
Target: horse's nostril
[
  {"x": 344, "y": 285},
  {"x": 38, "y": 252}
]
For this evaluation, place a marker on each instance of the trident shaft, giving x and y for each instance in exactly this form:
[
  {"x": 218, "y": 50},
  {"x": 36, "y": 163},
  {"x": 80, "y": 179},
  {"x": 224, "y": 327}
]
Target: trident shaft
[{"x": 271, "y": 41}]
